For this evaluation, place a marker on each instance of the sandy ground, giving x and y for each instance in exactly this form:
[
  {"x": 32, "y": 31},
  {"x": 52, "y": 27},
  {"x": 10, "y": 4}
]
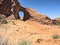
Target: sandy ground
[{"x": 16, "y": 32}]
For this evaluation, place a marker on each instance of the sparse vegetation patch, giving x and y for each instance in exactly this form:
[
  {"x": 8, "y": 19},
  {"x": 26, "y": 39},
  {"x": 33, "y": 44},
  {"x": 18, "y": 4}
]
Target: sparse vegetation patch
[
  {"x": 25, "y": 42},
  {"x": 56, "y": 36},
  {"x": 3, "y": 41},
  {"x": 2, "y": 20}
]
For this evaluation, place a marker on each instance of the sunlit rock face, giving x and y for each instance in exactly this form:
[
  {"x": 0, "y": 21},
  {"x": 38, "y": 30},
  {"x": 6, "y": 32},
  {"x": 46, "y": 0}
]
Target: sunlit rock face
[{"x": 40, "y": 18}]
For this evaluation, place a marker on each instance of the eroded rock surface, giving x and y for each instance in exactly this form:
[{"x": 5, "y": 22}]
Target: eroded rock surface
[
  {"x": 40, "y": 18},
  {"x": 9, "y": 7}
]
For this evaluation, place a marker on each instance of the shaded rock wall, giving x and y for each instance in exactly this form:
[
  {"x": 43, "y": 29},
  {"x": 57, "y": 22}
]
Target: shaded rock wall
[
  {"x": 9, "y": 7},
  {"x": 5, "y": 7}
]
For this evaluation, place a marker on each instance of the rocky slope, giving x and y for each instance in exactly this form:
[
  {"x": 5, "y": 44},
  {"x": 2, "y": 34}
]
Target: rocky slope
[
  {"x": 56, "y": 21},
  {"x": 41, "y": 18}
]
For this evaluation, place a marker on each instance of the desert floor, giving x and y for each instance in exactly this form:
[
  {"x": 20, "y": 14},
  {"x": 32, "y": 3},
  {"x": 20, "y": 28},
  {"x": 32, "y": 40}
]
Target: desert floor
[{"x": 18, "y": 32}]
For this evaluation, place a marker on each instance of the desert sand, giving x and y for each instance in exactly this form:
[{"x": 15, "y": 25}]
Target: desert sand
[{"x": 16, "y": 32}]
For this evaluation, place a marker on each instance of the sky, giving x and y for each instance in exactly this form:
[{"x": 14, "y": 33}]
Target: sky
[{"x": 51, "y": 8}]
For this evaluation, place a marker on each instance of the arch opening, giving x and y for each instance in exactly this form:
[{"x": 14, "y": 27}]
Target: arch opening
[{"x": 21, "y": 14}]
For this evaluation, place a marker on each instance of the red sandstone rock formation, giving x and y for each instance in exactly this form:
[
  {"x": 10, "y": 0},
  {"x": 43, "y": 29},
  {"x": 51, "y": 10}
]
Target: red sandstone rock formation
[
  {"x": 8, "y": 7},
  {"x": 12, "y": 7},
  {"x": 40, "y": 18}
]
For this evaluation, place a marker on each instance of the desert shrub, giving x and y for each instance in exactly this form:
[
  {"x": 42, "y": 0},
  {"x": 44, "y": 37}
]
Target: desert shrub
[
  {"x": 17, "y": 30},
  {"x": 3, "y": 41},
  {"x": 25, "y": 42},
  {"x": 2, "y": 20},
  {"x": 55, "y": 36}
]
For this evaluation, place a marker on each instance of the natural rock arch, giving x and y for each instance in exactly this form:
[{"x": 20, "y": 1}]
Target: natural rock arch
[
  {"x": 13, "y": 7},
  {"x": 26, "y": 14}
]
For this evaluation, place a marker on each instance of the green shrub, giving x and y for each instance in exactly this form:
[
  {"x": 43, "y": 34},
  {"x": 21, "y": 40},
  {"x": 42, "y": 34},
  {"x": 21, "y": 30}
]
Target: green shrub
[
  {"x": 2, "y": 20},
  {"x": 25, "y": 42},
  {"x": 56, "y": 36}
]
